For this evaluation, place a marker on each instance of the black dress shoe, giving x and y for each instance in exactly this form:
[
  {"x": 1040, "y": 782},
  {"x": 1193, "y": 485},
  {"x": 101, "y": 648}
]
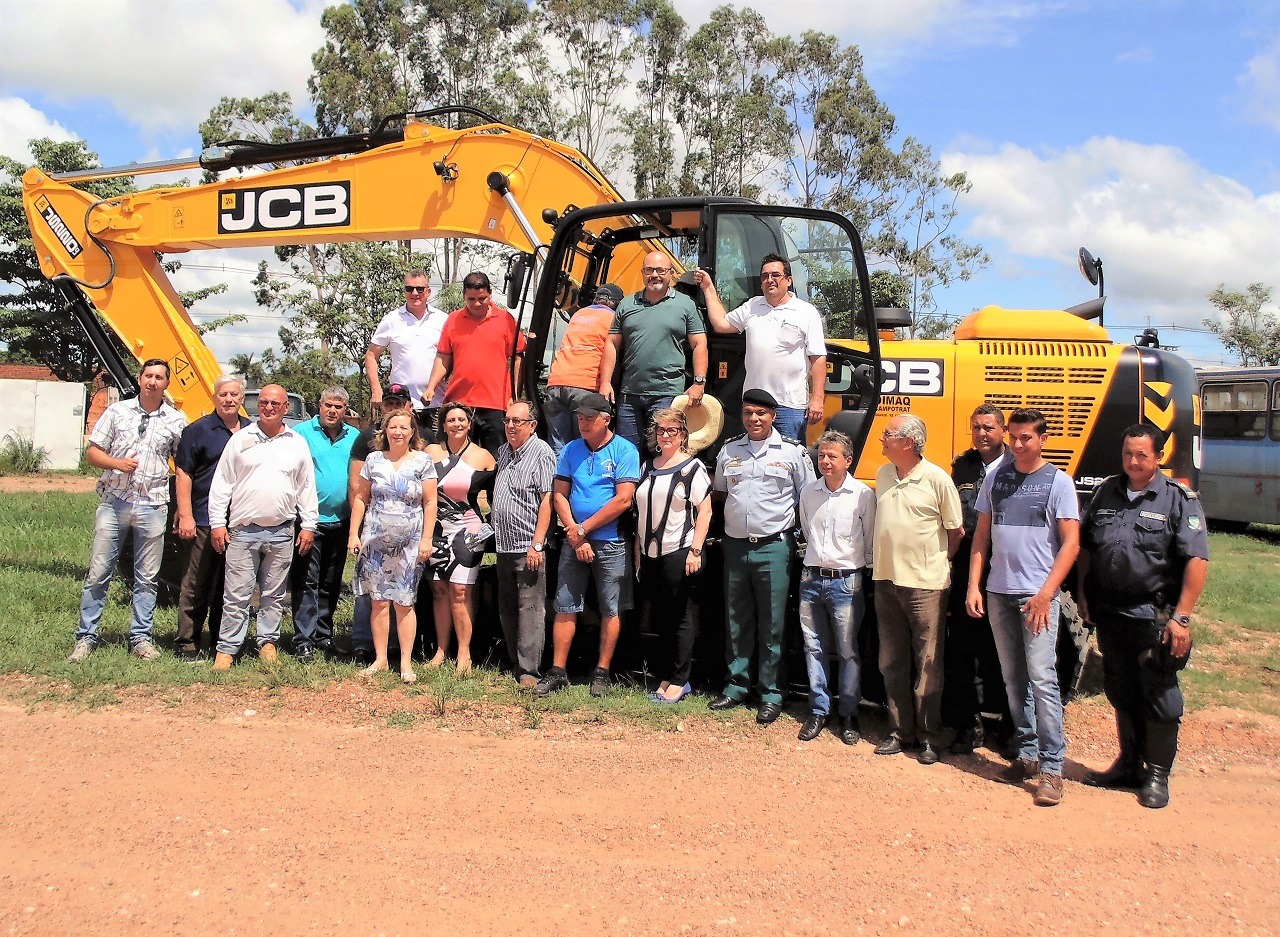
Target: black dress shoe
[
  {"x": 769, "y": 712},
  {"x": 891, "y": 746},
  {"x": 928, "y": 754},
  {"x": 812, "y": 727},
  {"x": 722, "y": 702},
  {"x": 966, "y": 741},
  {"x": 849, "y": 733}
]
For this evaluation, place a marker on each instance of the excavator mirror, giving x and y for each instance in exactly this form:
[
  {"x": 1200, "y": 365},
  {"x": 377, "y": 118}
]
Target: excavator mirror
[{"x": 518, "y": 268}]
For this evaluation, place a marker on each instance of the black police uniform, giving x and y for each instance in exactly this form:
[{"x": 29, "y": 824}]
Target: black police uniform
[
  {"x": 1139, "y": 550},
  {"x": 972, "y": 681}
]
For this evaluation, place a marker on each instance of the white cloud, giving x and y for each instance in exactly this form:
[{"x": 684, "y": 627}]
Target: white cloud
[
  {"x": 889, "y": 30},
  {"x": 20, "y": 122},
  {"x": 161, "y": 65},
  {"x": 1260, "y": 86},
  {"x": 1167, "y": 229}
]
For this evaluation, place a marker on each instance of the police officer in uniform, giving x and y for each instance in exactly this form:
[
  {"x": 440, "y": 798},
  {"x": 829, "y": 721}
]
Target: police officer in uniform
[
  {"x": 1142, "y": 567},
  {"x": 760, "y": 476},
  {"x": 973, "y": 683}
]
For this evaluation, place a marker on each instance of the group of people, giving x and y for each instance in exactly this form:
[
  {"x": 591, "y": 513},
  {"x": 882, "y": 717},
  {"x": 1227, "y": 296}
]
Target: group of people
[{"x": 456, "y": 467}]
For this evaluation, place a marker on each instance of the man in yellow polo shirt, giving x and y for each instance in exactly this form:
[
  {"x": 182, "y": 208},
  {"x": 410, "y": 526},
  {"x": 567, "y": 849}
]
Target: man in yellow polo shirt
[{"x": 919, "y": 526}]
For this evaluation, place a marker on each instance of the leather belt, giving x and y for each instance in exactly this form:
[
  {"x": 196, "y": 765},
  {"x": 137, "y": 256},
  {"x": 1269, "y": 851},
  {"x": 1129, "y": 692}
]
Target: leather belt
[
  {"x": 759, "y": 541},
  {"x": 830, "y": 573}
]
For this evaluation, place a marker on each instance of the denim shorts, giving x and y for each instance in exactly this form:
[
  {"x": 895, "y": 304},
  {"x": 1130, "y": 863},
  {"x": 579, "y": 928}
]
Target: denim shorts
[{"x": 612, "y": 571}]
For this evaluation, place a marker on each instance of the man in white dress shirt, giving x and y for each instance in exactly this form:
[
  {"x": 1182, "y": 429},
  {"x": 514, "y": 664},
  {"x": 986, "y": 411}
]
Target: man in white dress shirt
[
  {"x": 264, "y": 486},
  {"x": 838, "y": 517}
]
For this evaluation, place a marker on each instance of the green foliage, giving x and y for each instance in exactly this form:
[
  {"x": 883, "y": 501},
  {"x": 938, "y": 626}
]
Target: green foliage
[
  {"x": 19, "y": 455},
  {"x": 1248, "y": 331}
]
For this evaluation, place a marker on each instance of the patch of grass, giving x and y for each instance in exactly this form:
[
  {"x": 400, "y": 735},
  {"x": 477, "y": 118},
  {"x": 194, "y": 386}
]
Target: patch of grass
[
  {"x": 44, "y": 551},
  {"x": 19, "y": 455},
  {"x": 401, "y": 719}
]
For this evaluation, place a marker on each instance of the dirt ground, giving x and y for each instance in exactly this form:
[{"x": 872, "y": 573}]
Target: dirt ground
[
  {"x": 228, "y": 811},
  {"x": 72, "y": 483}
]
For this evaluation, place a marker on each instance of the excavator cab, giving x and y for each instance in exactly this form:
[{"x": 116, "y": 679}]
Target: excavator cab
[{"x": 727, "y": 237}]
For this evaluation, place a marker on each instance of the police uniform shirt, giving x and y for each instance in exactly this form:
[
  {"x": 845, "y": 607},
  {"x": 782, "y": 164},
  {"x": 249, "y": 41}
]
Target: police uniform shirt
[
  {"x": 762, "y": 489},
  {"x": 1139, "y": 547},
  {"x": 968, "y": 471}
]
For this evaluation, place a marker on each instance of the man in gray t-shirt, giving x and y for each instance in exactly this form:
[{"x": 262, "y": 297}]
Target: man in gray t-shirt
[{"x": 1029, "y": 521}]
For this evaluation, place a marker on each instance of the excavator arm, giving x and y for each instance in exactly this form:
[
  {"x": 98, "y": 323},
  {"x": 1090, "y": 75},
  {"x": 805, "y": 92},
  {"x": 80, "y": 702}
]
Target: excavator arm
[{"x": 492, "y": 182}]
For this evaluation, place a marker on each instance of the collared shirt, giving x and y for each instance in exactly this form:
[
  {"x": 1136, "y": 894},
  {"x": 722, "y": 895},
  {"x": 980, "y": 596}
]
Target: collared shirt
[
  {"x": 482, "y": 351},
  {"x": 840, "y": 525},
  {"x": 577, "y": 362},
  {"x": 198, "y": 453},
  {"x": 265, "y": 480},
  {"x": 762, "y": 489},
  {"x": 594, "y": 475},
  {"x": 968, "y": 471},
  {"x": 524, "y": 477},
  {"x": 126, "y": 431},
  {"x": 655, "y": 337},
  {"x": 330, "y": 461},
  {"x": 1139, "y": 547},
  {"x": 913, "y": 515},
  {"x": 412, "y": 343},
  {"x": 780, "y": 342}
]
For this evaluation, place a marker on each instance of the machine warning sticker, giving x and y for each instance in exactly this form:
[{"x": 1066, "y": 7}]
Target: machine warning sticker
[
  {"x": 58, "y": 227},
  {"x": 283, "y": 208}
]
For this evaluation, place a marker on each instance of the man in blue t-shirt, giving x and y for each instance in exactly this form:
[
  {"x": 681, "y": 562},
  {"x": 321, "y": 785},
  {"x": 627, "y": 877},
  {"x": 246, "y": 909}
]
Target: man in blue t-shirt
[
  {"x": 595, "y": 482},
  {"x": 1029, "y": 517}
]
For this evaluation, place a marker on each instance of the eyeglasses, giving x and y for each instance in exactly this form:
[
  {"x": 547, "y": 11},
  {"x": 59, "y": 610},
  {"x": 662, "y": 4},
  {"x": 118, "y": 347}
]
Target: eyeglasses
[
  {"x": 270, "y": 403},
  {"x": 667, "y": 430},
  {"x": 650, "y": 271},
  {"x": 515, "y": 421},
  {"x": 415, "y": 289},
  {"x": 887, "y": 434},
  {"x": 773, "y": 276}
]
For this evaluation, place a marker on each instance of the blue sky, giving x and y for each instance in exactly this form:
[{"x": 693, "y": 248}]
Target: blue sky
[{"x": 1145, "y": 131}]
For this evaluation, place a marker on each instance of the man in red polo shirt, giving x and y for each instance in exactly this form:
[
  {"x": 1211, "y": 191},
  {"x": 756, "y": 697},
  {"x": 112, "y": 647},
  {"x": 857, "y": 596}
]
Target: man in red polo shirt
[{"x": 480, "y": 351}]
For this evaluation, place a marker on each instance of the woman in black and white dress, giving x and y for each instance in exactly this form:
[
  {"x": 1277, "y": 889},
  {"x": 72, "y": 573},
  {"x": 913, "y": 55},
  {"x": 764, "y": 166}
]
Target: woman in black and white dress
[{"x": 673, "y": 506}]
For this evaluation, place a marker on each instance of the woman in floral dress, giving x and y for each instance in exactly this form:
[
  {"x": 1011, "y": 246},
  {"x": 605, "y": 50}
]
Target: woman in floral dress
[{"x": 396, "y": 504}]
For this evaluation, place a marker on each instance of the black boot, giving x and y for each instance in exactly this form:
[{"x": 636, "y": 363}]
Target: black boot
[
  {"x": 1162, "y": 746},
  {"x": 1126, "y": 772}
]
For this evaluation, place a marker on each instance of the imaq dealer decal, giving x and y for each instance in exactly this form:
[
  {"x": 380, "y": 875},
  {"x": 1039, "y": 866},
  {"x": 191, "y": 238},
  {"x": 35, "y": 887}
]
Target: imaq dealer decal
[
  {"x": 284, "y": 208},
  {"x": 58, "y": 227}
]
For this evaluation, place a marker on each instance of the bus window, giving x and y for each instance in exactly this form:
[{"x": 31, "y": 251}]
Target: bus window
[
  {"x": 1235, "y": 411},
  {"x": 1275, "y": 411}
]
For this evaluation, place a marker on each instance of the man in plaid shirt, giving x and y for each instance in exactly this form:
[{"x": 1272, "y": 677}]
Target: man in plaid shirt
[{"x": 132, "y": 443}]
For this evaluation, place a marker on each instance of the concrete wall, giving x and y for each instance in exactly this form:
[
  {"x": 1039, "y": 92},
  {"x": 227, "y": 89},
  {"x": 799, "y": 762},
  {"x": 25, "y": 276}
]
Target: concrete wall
[{"x": 49, "y": 413}]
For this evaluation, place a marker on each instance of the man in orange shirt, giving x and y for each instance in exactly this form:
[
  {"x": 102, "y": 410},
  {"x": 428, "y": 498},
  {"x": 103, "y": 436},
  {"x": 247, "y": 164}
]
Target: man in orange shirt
[
  {"x": 481, "y": 350},
  {"x": 577, "y": 369}
]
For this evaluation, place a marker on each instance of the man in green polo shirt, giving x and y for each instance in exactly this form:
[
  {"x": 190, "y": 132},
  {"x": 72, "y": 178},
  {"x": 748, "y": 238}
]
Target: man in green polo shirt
[{"x": 650, "y": 335}]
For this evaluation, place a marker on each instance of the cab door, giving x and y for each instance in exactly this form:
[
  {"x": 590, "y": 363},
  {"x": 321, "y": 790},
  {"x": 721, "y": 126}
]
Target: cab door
[{"x": 828, "y": 269}]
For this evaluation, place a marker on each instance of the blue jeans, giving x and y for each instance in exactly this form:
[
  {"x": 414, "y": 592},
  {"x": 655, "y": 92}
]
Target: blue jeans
[
  {"x": 611, "y": 569},
  {"x": 635, "y": 413},
  {"x": 1030, "y": 667},
  {"x": 315, "y": 584},
  {"x": 791, "y": 422},
  {"x": 559, "y": 407},
  {"x": 256, "y": 556},
  {"x": 112, "y": 522},
  {"x": 830, "y": 615}
]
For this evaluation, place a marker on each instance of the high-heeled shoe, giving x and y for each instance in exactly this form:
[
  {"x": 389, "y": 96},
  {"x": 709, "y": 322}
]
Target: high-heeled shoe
[{"x": 666, "y": 701}]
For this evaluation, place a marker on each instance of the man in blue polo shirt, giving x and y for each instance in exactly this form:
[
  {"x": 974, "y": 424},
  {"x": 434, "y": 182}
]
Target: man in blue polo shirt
[
  {"x": 316, "y": 576},
  {"x": 197, "y": 459},
  {"x": 595, "y": 483}
]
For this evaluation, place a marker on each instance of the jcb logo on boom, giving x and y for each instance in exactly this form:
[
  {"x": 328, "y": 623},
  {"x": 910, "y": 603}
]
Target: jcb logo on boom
[{"x": 327, "y": 205}]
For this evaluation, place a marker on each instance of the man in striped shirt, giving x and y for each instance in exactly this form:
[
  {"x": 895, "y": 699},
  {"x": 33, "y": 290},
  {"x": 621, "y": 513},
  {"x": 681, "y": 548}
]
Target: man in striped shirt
[{"x": 521, "y": 517}]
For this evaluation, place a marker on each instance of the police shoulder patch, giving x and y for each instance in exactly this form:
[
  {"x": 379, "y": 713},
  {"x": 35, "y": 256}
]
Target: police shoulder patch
[
  {"x": 1194, "y": 521},
  {"x": 794, "y": 442}
]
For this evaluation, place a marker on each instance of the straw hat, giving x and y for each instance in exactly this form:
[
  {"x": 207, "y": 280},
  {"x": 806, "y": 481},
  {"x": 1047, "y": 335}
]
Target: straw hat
[{"x": 705, "y": 422}]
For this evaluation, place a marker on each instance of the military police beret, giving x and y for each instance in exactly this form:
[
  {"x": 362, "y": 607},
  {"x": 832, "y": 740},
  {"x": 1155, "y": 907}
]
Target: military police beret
[{"x": 761, "y": 398}]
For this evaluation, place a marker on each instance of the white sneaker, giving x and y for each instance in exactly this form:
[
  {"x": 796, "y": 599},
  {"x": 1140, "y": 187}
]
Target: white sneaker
[{"x": 83, "y": 648}]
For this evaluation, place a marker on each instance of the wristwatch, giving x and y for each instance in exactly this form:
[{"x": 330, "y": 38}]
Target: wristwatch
[
  {"x": 699, "y": 379},
  {"x": 537, "y": 547},
  {"x": 582, "y": 531},
  {"x": 1184, "y": 620},
  {"x": 696, "y": 551}
]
